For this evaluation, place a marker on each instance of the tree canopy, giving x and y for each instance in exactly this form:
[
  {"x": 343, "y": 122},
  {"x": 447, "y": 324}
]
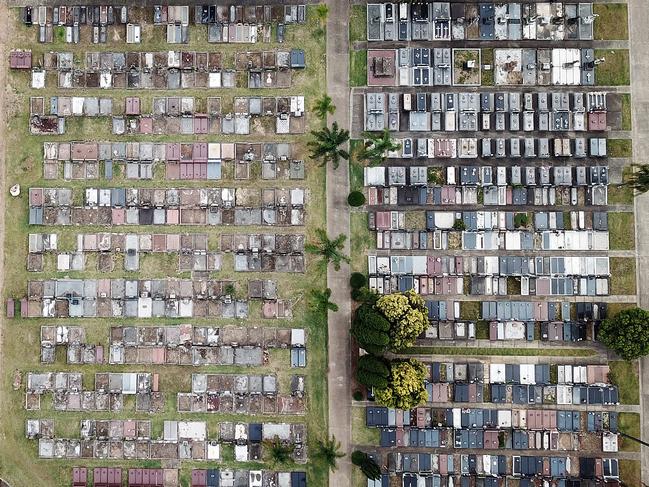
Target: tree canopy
[
  {"x": 405, "y": 388},
  {"x": 407, "y": 315},
  {"x": 373, "y": 371},
  {"x": 370, "y": 328},
  {"x": 627, "y": 333}
]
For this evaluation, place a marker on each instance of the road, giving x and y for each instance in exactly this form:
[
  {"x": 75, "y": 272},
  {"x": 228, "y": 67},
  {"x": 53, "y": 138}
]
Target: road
[
  {"x": 639, "y": 45},
  {"x": 339, "y": 373}
]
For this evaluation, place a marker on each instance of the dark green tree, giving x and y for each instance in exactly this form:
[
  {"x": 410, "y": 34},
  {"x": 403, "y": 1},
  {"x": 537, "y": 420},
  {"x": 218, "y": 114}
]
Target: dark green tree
[
  {"x": 371, "y": 330},
  {"x": 627, "y": 333},
  {"x": 376, "y": 147},
  {"x": 325, "y": 146},
  {"x": 331, "y": 251},
  {"x": 367, "y": 464}
]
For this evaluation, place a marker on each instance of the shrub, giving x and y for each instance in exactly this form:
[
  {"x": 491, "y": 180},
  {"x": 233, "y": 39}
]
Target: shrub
[
  {"x": 357, "y": 395},
  {"x": 459, "y": 224},
  {"x": 358, "y": 457},
  {"x": 521, "y": 220},
  {"x": 357, "y": 280},
  {"x": 356, "y": 198}
]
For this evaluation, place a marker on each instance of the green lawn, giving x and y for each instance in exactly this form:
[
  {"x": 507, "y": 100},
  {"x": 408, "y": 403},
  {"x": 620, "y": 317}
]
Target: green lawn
[
  {"x": 619, "y": 195},
  {"x": 621, "y": 231},
  {"x": 470, "y": 310},
  {"x": 358, "y": 68},
  {"x": 488, "y": 58},
  {"x": 358, "y": 23},
  {"x": 361, "y": 434},
  {"x": 623, "y": 276},
  {"x": 630, "y": 473},
  {"x": 629, "y": 423},
  {"x": 625, "y": 376},
  {"x": 619, "y": 147},
  {"x": 614, "y": 71},
  {"x": 613, "y": 21},
  {"x": 356, "y": 168},
  {"x": 508, "y": 352},
  {"x": 626, "y": 110},
  {"x": 362, "y": 240}
]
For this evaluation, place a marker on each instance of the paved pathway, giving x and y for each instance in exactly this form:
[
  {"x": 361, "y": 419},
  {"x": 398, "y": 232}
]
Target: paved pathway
[
  {"x": 339, "y": 374},
  {"x": 639, "y": 46}
]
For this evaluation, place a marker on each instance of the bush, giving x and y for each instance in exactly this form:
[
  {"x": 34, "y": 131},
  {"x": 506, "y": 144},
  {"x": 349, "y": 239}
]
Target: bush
[
  {"x": 521, "y": 220},
  {"x": 356, "y": 198},
  {"x": 459, "y": 224},
  {"x": 627, "y": 333},
  {"x": 357, "y": 280},
  {"x": 357, "y": 395}
]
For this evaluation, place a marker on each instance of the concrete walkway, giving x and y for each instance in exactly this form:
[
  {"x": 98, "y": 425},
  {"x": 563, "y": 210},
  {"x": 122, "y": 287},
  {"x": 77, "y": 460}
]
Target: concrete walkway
[
  {"x": 339, "y": 374},
  {"x": 639, "y": 46}
]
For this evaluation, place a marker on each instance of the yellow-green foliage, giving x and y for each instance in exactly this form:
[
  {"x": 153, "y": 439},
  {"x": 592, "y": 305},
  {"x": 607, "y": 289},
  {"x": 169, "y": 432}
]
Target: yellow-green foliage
[
  {"x": 407, "y": 315},
  {"x": 406, "y": 388}
]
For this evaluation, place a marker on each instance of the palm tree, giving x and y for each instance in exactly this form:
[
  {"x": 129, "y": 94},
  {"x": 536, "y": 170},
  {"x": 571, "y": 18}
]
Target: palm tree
[
  {"x": 320, "y": 301},
  {"x": 279, "y": 452},
  {"x": 377, "y": 146},
  {"x": 329, "y": 250},
  {"x": 326, "y": 145},
  {"x": 324, "y": 107},
  {"x": 639, "y": 180},
  {"x": 329, "y": 451}
]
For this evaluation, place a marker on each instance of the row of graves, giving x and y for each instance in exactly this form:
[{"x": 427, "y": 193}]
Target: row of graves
[
  {"x": 228, "y": 24},
  {"x": 553, "y": 322},
  {"x": 173, "y": 115},
  {"x": 547, "y": 231},
  {"x": 153, "y": 206},
  {"x": 265, "y": 253},
  {"x": 176, "y": 345},
  {"x": 411, "y": 468},
  {"x": 73, "y": 24},
  {"x": 180, "y": 160},
  {"x": 492, "y": 276},
  {"x": 169, "y": 477},
  {"x": 146, "y": 298},
  {"x": 458, "y": 21},
  {"x": 496, "y": 429},
  {"x": 578, "y": 386},
  {"x": 492, "y": 112},
  {"x": 200, "y": 346},
  {"x": 110, "y": 392},
  {"x": 183, "y": 440},
  {"x": 192, "y": 250},
  {"x": 242, "y": 394},
  {"x": 164, "y": 70},
  {"x": 143, "y": 298}
]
